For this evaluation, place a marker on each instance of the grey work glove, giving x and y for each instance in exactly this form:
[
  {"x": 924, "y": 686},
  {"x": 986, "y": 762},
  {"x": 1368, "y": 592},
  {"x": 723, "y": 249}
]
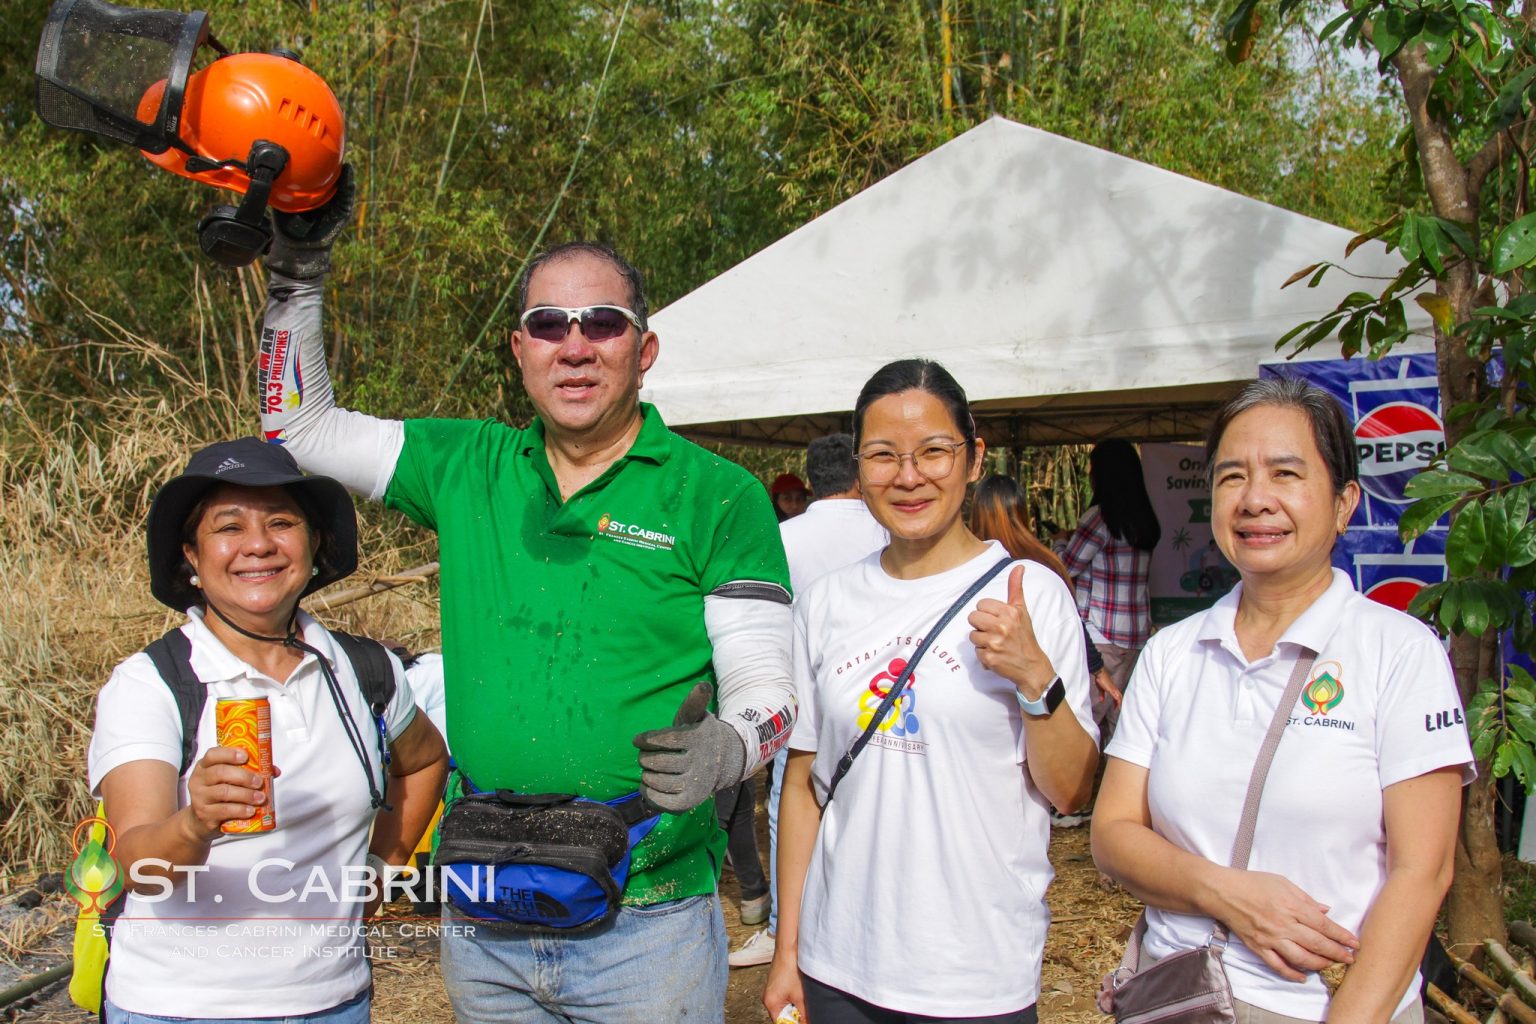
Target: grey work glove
[
  {"x": 683, "y": 766},
  {"x": 301, "y": 242}
]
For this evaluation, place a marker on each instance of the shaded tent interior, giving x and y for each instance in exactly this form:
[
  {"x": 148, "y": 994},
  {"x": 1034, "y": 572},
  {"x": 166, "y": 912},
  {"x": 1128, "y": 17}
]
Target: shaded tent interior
[
  {"x": 1074, "y": 293},
  {"x": 1165, "y": 414}
]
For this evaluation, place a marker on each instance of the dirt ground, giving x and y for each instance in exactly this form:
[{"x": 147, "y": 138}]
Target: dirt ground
[{"x": 1084, "y": 941}]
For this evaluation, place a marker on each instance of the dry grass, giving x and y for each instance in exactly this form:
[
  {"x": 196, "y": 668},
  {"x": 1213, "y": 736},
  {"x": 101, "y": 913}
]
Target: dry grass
[
  {"x": 1091, "y": 919},
  {"x": 74, "y": 493}
]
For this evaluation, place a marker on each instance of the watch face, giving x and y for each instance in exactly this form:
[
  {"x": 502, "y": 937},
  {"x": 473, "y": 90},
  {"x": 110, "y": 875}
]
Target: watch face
[{"x": 1054, "y": 695}]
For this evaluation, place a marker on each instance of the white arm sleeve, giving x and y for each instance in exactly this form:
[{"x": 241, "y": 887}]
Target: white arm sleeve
[
  {"x": 298, "y": 406},
  {"x": 751, "y": 639}
]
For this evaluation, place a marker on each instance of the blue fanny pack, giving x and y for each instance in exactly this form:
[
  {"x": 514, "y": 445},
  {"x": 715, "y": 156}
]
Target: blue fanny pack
[{"x": 538, "y": 860}]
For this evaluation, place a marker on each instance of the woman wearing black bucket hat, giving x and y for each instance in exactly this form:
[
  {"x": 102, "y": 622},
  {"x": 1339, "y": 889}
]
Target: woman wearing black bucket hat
[{"x": 221, "y": 925}]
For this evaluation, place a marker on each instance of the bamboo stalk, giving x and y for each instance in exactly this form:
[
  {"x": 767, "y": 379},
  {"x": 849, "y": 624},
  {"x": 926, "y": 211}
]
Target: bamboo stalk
[
  {"x": 1507, "y": 1003},
  {"x": 1514, "y": 1009},
  {"x": 554, "y": 207},
  {"x": 24, "y": 988},
  {"x": 1518, "y": 979},
  {"x": 470, "y": 63},
  {"x": 377, "y": 585},
  {"x": 947, "y": 39},
  {"x": 1475, "y": 976},
  {"x": 1523, "y": 933},
  {"x": 1451, "y": 1008}
]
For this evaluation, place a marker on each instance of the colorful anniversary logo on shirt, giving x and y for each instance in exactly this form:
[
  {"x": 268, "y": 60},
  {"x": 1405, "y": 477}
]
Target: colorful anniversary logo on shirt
[
  {"x": 634, "y": 534},
  {"x": 899, "y": 728}
]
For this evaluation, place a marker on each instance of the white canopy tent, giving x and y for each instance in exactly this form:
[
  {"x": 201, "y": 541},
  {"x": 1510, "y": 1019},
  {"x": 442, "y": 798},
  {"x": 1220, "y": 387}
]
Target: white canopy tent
[{"x": 1074, "y": 293}]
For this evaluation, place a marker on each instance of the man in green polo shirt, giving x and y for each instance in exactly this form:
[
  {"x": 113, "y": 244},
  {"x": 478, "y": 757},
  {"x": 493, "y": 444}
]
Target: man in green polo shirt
[{"x": 596, "y": 569}]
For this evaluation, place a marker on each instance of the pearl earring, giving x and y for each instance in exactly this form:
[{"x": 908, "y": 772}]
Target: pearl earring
[
  {"x": 314, "y": 570},
  {"x": 195, "y": 581}
]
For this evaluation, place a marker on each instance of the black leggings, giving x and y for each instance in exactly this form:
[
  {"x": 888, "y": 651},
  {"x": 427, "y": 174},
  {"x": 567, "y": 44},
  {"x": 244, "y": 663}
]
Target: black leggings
[
  {"x": 827, "y": 1005},
  {"x": 736, "y": 808}
]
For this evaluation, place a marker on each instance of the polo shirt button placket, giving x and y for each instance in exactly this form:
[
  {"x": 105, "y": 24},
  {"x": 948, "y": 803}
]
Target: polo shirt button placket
[{"x": 1244, "y": 709}]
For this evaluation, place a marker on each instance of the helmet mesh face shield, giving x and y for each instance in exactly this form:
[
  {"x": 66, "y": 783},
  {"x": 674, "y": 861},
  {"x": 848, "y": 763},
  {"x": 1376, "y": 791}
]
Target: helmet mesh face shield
[
  {"x": 96, "y": 62},
  {"x": 259, "y": 124}
]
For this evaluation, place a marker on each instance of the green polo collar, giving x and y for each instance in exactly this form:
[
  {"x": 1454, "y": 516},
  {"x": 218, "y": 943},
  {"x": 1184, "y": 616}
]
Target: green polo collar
[{"x": 653, "y": 444}]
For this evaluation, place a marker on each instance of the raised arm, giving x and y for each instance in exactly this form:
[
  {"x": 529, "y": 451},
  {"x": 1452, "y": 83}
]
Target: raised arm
[
  {"x": 297, "y": 404},
  {"x": 1061, "y": 748}
]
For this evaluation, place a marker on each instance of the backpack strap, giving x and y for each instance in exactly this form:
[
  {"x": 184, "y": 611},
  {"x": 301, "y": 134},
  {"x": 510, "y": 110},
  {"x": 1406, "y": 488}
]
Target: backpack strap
[
  {"x": 370, "y": 663},
  {"x": 172, "y": 656}
]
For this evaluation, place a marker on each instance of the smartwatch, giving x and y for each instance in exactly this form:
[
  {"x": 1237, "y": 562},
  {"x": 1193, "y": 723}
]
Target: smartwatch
[{"x": 1048, "y": 702}]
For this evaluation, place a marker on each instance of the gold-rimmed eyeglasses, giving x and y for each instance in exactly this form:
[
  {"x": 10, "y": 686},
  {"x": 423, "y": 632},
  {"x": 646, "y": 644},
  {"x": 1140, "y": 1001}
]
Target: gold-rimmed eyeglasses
[{"x": 934, "y": 460}]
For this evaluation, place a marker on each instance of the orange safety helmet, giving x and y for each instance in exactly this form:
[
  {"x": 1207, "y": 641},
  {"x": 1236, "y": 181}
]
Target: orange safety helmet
[{"x": 246, "y": 97}]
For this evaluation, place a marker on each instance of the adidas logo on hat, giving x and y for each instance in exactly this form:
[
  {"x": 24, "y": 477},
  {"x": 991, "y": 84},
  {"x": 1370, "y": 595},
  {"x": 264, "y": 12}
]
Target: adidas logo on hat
[{"x": 227, "y": 465}]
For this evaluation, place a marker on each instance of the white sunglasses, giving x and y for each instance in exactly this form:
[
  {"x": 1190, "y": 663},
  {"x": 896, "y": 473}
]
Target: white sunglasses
[{"x": 597, "y": 323}]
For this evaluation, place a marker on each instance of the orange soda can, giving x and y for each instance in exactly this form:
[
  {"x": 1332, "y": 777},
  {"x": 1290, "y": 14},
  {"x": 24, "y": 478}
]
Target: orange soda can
[{"x": 247, "y": 725}]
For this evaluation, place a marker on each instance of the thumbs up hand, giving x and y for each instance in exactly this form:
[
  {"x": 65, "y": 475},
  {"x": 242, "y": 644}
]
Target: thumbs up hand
[
  {"x": 1005, "y": 640},
  {"x": 683, "y": 766}
]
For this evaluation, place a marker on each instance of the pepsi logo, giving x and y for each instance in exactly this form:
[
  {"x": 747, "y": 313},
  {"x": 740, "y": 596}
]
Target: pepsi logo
[
  {"x": 1395, "y": 592},
  {"x": 1395, "y": 441}
]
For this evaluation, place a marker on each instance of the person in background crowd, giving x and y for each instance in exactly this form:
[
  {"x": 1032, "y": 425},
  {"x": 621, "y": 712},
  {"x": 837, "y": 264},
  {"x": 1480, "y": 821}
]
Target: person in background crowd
[
  {"x": 425, "y": 671},
  {"x": 836, "y": 530},
  {"x": 789, "y": 496},
  {"x": 234, "y": 542},
  {"x": 598, "y": 573},
  {"x": 736, "y": 807},
  {"x": 1108, "y": 557},
  {"x": 1355, "y": 836},
  {"x": 918, "y": 893}
]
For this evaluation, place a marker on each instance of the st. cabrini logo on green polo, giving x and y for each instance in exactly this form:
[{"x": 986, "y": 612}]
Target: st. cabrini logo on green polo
[{"x": 634, "y": 534}]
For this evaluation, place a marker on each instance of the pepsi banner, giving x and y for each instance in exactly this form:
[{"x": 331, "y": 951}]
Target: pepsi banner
[{"x": 1394, "y": 406}]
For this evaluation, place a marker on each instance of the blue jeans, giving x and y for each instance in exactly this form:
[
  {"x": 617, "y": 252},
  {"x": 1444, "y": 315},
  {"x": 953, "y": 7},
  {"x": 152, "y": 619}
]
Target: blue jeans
[
  {"x": 664, "y": 962},
  {"x": 775, "y": 789},
  {"x": 354, "y": 1011}
]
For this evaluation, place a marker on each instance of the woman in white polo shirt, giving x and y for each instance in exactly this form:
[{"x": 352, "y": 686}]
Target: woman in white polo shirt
[
  {"x": 262, "y": 925},
  {"x": 918, "y": 892},
  {"x": 1356, "y": 830}
]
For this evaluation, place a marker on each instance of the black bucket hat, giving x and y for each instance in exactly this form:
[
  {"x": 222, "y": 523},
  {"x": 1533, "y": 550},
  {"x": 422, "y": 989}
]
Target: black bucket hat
[{"x": 247, "y": 462}]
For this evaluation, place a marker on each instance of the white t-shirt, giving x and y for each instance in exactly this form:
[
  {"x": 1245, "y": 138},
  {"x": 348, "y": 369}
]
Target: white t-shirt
[
  {"x": 1380, "y": 707},
  {"x": 426, "y": 676},
  {"x": 831, "y": 533},
  {"x": 926, "y": 888},
  {"x": 230, "y": 952}
]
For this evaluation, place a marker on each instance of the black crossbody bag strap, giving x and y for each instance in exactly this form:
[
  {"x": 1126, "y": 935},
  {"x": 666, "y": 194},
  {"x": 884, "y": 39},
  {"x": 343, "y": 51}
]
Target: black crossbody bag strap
[{"x": 901, "y": 681}]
